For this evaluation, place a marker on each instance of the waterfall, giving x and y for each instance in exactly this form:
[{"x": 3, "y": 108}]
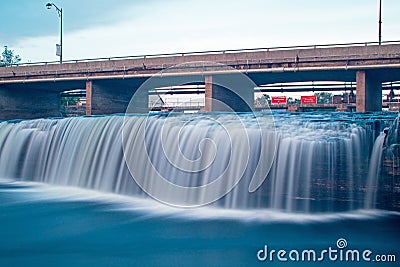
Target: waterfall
[
  {"x": 316, "y": 163},
  {"x": 374, "y": 170}
]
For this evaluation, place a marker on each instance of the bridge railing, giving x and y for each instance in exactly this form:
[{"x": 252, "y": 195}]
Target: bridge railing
[{"x": 209, "y": 52}]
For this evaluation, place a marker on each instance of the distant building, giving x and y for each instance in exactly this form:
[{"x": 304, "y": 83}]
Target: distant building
[{"x": 337, "y": 99}]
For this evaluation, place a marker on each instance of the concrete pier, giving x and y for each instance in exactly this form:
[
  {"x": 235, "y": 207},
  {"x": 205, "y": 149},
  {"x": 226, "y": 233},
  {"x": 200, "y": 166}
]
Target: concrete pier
[
  {"x": 110, "y": 97},
  {"x": 227, "y": 93},
  {"x": 368, "y": 91}
]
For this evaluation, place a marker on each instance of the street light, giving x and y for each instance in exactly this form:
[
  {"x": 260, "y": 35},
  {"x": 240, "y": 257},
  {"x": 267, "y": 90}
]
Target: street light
[
  {"x": 60, "y": 46},
  {"x": 380, "y": 23}
]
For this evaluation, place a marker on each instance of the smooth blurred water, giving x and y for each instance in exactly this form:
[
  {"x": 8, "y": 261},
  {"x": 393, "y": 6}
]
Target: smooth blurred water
[
  {"x": 67, "y": 197},
  {"x": 316, "y": 162},
  {"x": 57, "y": 226}
]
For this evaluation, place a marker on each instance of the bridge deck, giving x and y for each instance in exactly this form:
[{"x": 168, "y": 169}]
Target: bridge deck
[{"x": 314, "y": 58}]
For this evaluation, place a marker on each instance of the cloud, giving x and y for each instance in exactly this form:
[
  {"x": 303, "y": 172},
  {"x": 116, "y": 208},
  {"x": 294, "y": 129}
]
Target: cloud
[{"x": 180, "y": 26}]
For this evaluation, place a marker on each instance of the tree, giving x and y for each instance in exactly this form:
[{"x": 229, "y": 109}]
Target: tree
[
  {"x": 268, "y": 98},
  {"x": 293, "y": 101},
  {"x": 8, "y": 58},
  {"x": 323, "y": 98},
  {"x": 263, "y": 100},
  {"x": 69, "y": 100}
]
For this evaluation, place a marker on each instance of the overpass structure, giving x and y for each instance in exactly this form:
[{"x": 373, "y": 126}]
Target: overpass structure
[{"x": 33, "y": 90}]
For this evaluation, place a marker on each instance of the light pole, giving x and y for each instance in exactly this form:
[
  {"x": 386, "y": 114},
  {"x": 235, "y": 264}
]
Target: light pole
[
  {"x": 60, "y": 46},
  {"x": 380, "y": 22}
]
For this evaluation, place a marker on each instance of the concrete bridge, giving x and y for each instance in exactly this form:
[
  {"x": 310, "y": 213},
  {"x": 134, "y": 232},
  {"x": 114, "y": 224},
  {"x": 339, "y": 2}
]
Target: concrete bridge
[{"x": 33, "y": 90}]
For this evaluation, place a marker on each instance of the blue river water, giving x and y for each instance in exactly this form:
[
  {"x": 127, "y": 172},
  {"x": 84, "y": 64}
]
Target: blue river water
[
  {"x": 54, "y": 226},
  {"x": 68, "y": 198}
]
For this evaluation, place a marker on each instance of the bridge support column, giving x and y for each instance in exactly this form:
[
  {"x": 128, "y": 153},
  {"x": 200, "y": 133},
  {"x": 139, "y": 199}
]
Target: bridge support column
[
  {"x": 227, "y": 93},
  {"x": 26, "y": 103},
  {"x": 110, "y": 97},
  {"x": 368, "y": 92},
  {"x": 89, "y": 98}
]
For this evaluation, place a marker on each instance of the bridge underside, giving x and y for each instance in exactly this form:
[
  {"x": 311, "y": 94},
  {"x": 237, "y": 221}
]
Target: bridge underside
[
  {"x": 368, "y": 82},
  {"x": 42, "y": 100},
  {"x": 113, "y": 96},
  {"x": 32, "y": 100},
  {"x": 110, "y": 83},
  {"x": 223, "y": 92},
  {"x": 227, "y": 93},
  {"x": 29, "y": 104},
  {"x": 382, "y": 75}
]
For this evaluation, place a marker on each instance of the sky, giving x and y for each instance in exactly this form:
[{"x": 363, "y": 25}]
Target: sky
[{"x": 100, "y": 28}]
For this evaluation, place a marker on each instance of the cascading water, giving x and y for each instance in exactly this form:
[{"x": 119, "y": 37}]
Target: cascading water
[
  {"x": 374, "y": 170},
  {"x": 321, "y": 162}
]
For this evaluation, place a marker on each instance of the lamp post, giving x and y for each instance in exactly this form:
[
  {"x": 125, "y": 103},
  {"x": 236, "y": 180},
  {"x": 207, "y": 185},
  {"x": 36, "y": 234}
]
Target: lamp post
[
  {"x": 380, "y": 23},
  {"x": 60, "y": 46}
]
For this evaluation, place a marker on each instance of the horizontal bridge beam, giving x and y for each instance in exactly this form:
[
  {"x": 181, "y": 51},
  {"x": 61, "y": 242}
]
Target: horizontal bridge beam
[
  {"x": 83, "y": 77},
  {"x": 305, "y": 59}
]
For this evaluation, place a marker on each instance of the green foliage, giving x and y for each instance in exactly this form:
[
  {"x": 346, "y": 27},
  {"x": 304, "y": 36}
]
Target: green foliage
[
  {"x": 69, "y": 101},
  {"x": 324, "y": 98},
  {"x": 263, "y": 100},
  {"x": 267, "y": 97},
  {"x": 8, "y": 58},
  {"x": 293, "y": 101}
]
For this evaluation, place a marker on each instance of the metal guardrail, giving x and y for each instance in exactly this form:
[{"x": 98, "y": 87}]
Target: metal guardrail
[
  {"x": 319, "y": 85},
  {"x": 210, "y": 52}
]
